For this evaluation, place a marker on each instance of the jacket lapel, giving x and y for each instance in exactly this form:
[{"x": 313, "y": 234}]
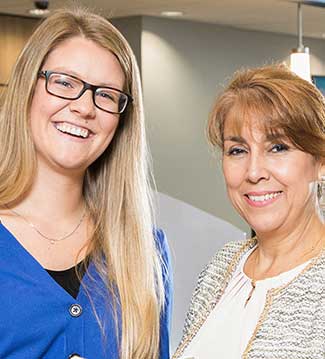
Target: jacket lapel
[{"x": 212, "y": 283}]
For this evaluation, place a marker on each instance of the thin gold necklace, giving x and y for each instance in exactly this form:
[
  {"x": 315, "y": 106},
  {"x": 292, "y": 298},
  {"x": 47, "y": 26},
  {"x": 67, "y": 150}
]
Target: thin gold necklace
[
  {"x": 50, "y": 239},
  {"x": 253, "y": 280}
]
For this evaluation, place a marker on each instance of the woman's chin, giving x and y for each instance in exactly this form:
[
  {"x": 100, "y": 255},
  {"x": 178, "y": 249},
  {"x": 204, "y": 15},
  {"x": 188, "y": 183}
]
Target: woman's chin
[
  {"x": 265, "y": 227},
  {"x": 67, "y": 166}
]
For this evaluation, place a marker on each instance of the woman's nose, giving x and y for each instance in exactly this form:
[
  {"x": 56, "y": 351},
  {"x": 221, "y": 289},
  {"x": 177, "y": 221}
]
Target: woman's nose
[
  {"x": 84, "y": 105},
  {"x": 257, "y": 168}
]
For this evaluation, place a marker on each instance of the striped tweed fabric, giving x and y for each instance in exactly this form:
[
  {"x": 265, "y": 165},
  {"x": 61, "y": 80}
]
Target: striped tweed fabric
[{"x": 292, "y": 324}]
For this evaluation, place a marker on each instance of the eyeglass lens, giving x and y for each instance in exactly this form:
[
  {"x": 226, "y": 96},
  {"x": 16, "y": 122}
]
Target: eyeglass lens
[{"x": 70, "y": 88}]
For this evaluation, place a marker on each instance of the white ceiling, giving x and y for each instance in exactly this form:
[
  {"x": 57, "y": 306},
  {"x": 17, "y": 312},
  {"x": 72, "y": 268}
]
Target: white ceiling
[{"x": 263, "y": 15}]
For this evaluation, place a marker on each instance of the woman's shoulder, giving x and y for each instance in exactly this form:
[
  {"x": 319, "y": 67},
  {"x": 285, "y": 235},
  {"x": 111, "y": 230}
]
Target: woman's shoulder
[
  {"x": 164, "y": 255},
  {"x": 226, "y": 258},
  {"x": 217, "y": 272},
  {"x": 161, "y": 243},
  {"x": 210, "y": 285},
  {"x": 159, "y": 235}
]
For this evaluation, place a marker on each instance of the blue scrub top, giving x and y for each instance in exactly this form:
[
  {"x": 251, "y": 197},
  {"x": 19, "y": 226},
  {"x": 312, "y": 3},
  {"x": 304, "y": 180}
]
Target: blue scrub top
[{"x": 40, "y": 320}]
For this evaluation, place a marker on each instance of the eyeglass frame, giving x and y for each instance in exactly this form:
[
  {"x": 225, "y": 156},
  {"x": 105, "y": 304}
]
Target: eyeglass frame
[{"x": 86, "y": 86}]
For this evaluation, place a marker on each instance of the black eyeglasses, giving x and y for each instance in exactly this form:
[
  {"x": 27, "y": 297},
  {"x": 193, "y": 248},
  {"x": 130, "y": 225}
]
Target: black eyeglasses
[{"x": 69, "y": 87}]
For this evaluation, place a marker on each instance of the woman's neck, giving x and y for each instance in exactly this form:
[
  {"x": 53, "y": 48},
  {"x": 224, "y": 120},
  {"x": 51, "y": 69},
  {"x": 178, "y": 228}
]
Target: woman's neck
[
  {"x": 279, "y": 251},
  {"x": 54, "y": 195}
]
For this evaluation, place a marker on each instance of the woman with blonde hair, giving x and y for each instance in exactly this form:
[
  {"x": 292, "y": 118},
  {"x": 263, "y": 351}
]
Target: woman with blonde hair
[
  {"x": 83, "y": 272},
  {"x": 265, "y": 297}
]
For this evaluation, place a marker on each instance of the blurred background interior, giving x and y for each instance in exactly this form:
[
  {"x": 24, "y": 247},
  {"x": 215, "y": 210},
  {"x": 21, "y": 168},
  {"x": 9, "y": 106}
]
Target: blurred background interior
[{"x": 187, "y": 50}]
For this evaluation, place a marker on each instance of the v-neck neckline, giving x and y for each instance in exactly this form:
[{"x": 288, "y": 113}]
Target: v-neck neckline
[{"x": 35, "y": 266}]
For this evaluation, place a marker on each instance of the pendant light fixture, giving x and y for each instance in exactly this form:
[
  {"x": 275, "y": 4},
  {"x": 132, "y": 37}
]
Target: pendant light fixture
[
  {"x": 41, "y": 8},
  {"x": 300, "y": 59}
]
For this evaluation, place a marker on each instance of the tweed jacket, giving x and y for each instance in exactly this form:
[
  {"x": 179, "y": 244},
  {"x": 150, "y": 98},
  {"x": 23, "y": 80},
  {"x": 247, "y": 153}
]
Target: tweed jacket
[{"x": 292, "y": 324}]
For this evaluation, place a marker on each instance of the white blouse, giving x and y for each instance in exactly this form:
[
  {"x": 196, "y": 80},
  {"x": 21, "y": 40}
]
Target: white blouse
[{"x": 230, "y": 325}]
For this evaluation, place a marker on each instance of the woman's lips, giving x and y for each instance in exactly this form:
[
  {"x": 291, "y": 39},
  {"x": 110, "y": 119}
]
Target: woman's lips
[
  {"x": 261, "y": 199},
  {"x": 73, "y": 131}
]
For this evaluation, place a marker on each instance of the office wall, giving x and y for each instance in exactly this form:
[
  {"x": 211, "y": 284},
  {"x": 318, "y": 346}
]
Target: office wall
[
  {"x": 131, "y": 28},
  {"x": 14, "y": 32},
  {"x": 184, "y": 65}
]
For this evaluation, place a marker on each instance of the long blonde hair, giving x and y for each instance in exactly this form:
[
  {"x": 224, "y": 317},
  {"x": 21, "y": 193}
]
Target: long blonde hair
[{"x": 116, "y": 185}]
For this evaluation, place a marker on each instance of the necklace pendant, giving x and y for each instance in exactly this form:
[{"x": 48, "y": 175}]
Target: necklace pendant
[
  {"x": 52, "y": 241},
  {"x": 251, "y": 292}
]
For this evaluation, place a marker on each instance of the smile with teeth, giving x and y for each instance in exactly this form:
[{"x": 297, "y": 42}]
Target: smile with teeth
[
  {"x": 72, "y": 129},
  {"x": 264, "y": 197}
]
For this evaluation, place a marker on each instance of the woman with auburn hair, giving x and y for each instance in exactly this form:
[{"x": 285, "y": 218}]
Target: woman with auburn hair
[
  {"x": 83, "y": 272},
  {"x": 265, "y": 297}
]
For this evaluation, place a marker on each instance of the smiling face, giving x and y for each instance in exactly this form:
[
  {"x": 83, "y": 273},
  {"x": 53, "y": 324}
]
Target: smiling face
[
  {"x": 69, "y": 135},
  {"x": 269, "y": 182}
]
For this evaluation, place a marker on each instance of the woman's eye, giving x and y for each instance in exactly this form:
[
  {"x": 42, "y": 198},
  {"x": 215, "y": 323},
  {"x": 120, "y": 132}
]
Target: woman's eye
[
  {"x": 64, "y": 83},
  {"x": 107, "y": 96},
  {"x": 235, "y": 151},
  {"x": 279, "y": 147}
]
